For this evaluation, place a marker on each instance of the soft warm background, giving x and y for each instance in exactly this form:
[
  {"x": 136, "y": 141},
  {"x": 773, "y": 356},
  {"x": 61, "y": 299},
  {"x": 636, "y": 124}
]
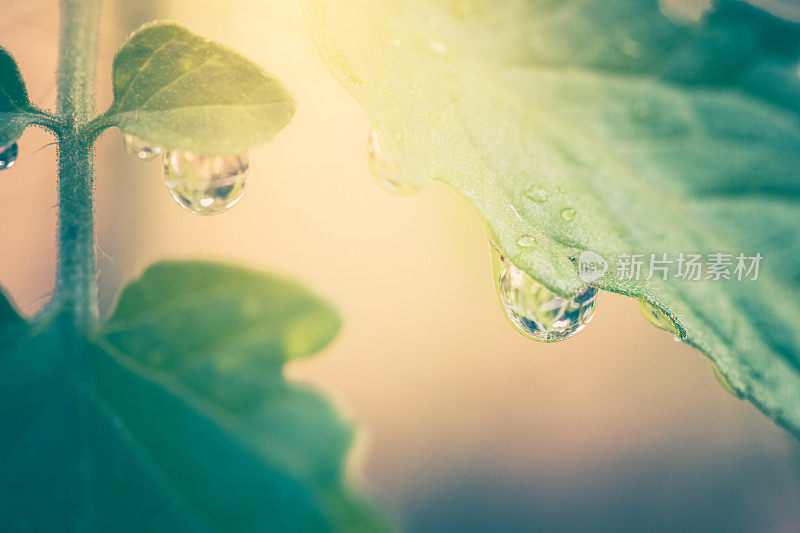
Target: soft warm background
[{"x": 467, "y": 426}]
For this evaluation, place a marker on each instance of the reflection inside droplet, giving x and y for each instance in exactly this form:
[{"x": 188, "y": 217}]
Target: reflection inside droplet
[
  {"x": 386, "y": 170},
  {"x": 8, "y": 155},
  {"x": 535, "y": 310},
  {"x": 204, "y": 184},
  {"x": 141, "y": 149}
]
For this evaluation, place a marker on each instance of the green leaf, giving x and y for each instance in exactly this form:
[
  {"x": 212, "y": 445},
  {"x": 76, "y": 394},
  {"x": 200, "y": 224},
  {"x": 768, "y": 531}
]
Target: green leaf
[
  {"x": 175, "y": 415},
  {"x": 11, "y": 324},
  {"x": 180, "y": 91},
  {"x": 15, "y": 108},
  {"x": 663, "y": 136}
]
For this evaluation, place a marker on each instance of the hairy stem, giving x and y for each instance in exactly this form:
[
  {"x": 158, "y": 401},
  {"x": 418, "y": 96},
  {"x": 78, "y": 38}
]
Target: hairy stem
[{"x": 76, "y": 288}]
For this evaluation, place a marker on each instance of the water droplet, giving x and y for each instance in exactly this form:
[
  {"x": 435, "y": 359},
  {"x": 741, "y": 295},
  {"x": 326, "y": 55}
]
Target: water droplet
[
  {"x": 141, "y": 149},
  {"x": 568, "y": 214},
  {"x": 660, "y": 319},
  {"x": 640, "y": 110},
  {"x": 205, "y": 184},
  {"x": 527, "y": 240},
  {"x": 8, "y": 155},
  {"x": 536, "y": 311},
  {"x": 385, "y": 169},
  {"x": 537, "y": 194},
  {"x": 438, "y": 47},
  {"x": 725, "y": 382},
  {"x": 628, "y": 46},
  {"x": 394, "y": 42}
]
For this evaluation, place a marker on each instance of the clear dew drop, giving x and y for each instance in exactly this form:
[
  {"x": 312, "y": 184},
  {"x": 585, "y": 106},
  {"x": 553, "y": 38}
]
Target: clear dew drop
[
  {"x": 568, "y": 214},
  {"x": 534, "y": 310},
  {"x": 660, "y": 319},
  {"x": 640, "y": 110},
  {"x": 8, "y": 155},
  {"x": 536, "y": 194},
  {"x": 526, "y": 241},
  {"x": 628, "y": 46},
  {"x": 438, "y": 48},
  {"x": 205, "y": 184},
  {"x": 725, "y": 382},
  {"x": 385, "y": 169},
  {"x": 141, "y": 149}
]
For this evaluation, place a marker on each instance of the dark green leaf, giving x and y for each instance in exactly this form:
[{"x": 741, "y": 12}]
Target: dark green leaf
[
  {"x": 15, "y": 108},
  {"x": 180, "y": 91},
  {"x": 663, "y": 137},
  {"x": 176, "y": 417}
]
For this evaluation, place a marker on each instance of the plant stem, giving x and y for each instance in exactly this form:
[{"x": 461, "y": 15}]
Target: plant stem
[{"x": 76, "y": 286}]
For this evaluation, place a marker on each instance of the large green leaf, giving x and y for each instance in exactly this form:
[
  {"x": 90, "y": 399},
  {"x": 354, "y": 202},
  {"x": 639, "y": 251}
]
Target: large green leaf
[
  {"x": 180, "y": 91},
  {"x": 175, "y": 416},
  {"x": 662, "y": 136},
  {"x": 15, "y": 108}
]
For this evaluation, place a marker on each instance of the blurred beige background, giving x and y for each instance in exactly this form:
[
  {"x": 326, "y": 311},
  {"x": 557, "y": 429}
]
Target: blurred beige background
[{"x": 463, "y": 419}]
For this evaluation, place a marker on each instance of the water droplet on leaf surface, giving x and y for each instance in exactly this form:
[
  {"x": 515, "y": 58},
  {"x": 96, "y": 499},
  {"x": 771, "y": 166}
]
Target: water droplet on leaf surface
[
  {"x": 8, "y": 155},
  {"x": 385, "y": 168},
  {"x": 725, "y": 382},
  {"x": 205, "y": 184},
  {"x": 568, "y": 214},
  {"x": 659, "y": 319},
  {"x": 537, "y": 194},
  {"x": 534, "y": 310},
  {"x": 526, "y": 241},
  {"x": 141, "y": 149}
]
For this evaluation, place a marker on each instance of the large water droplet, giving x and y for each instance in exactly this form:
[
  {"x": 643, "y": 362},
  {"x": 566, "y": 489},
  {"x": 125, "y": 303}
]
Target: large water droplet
[
  {"x": 535, "y": 310},
  {"x": 725, "y": 382},
  {"x": 568, "y": 214},
  {"x": 385, "y": 168},
  {"x": 8, "y": 155},
  {"x": 205, "y": 184},
  {"x": 141, "y": 149}
]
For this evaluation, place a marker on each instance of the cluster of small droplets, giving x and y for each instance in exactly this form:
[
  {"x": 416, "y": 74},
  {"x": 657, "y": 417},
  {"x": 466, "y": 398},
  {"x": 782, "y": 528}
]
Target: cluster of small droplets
[
  {"x": 202, "y": 184},
  {"x": 8, "y": 155},
  {"x": 534, "y": 310},
  {"x": 386, "y": 170}
]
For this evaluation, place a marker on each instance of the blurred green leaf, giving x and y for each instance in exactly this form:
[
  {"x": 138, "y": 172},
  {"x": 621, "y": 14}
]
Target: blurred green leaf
[
  {"x": 176, "y": 417},
  {"x": 15, "y": 108},
  {"x": 663, "y": 136},
  {"x": 180, "y": 91}
]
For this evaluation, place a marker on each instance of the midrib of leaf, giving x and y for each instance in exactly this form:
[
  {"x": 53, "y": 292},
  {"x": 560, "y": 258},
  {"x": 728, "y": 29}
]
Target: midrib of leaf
[
  {"x": 175, "y": 80},
  {"x": 227, "y": 421},
  {"x": 200, "y": 297},
  {"x": 246, "y": 107},
  {"x": 167, "y": 489},
  {"x": 143, "y": 68}
]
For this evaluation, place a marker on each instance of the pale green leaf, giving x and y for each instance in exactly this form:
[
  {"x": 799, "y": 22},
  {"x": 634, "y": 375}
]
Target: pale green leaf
[
  {"x": 180, "y": 91},
  {"x": 663, "y": 136},
  {"x": 176, "y": 416}
]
